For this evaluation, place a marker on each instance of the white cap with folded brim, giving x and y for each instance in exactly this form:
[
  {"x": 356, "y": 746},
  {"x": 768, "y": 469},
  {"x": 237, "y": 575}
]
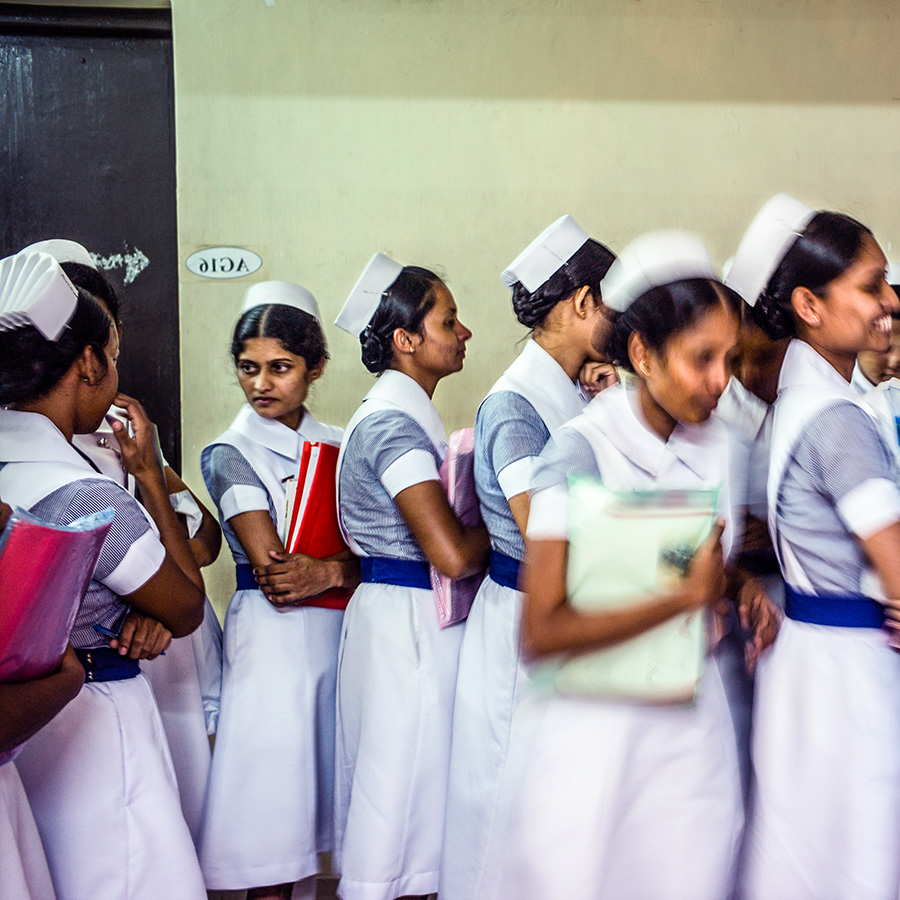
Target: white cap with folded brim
[
  {"x": 765, "y": 244},
  {"x": 34, "y": 290},
  {"x": 546, "y": 254},
  {"x": 652, "y": 260},
  {"x": 63, "y": 250},
  {"x": 284, "y": 292},
  {"x": 377, "y": 277}
]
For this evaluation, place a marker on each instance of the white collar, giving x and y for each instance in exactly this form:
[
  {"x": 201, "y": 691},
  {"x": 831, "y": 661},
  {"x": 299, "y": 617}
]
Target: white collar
[
  {"x": 547, "y": 373},
  {"x": 860, "y": 380},
  {"x": 32, "y": 437},
  {"x": 275, "y": 435},
  {"x": 805, "y": 366},
  {"x": 742, "y": 411},
  {"x": 617, "y": 411},
  {"x": 406, "y": 393}
]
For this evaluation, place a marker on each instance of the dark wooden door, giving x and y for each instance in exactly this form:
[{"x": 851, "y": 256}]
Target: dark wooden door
[{"x": 87, "y": 152}]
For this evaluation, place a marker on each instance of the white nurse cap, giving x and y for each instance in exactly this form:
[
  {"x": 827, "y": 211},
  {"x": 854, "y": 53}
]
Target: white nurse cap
[
  {"x": 377, "y": 277},
  {"x": 63, "y": 250},
  {"x": 765, "y": 244},
  {"x": 546, "y": 254},
  {"x": 34, "y": 290},
  {"x": 285, "y": 293},
  {"x": 651, "y": 260}
]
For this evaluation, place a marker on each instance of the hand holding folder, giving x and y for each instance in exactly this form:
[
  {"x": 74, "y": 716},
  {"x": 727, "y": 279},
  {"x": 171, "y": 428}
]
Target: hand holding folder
[
  {"x": 311, "y": 523},
  {"x": 624, "y": 546},
  {"x": 45, "y": 570},
  {"x": 454, "y": 598}
]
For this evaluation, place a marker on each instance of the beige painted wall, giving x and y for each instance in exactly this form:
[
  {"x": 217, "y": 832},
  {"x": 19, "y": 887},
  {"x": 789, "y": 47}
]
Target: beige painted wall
[{"x": 449, "y": 132}]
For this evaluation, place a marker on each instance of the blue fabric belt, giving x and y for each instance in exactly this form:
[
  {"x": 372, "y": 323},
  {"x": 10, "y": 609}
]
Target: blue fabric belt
[
  {"x": 105, "y": 664},
  {"x": 504, "y": 570},
  {"x": 833, "y": 609},
  {"x": 402, "y": 572},
  {"x": 243, "y": 575}
]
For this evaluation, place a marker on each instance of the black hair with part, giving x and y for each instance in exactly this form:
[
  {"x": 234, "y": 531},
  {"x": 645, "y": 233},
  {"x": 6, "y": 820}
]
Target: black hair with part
[
  {"x": 829, "y": 245},
  {"x": 30, "y": 365},
  {"x": 298, "y": 332},
  {"x": 96, "y": 284},
  {"x": 403, "y": 305},
  {"x": 663, "y": 312},
  {"x": 587, "y": 266}
]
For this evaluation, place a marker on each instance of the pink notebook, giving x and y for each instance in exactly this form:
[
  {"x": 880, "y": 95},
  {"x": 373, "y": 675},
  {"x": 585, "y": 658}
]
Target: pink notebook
[
  {"x": 44, "y": 572},
  {"x": 454, "y": 598}
]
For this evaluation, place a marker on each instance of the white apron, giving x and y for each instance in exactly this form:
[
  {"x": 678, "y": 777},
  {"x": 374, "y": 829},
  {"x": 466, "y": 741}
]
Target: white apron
[
  {"x": 624, "y": 800},
  {"x": 23, "y": 867},
  {"x": 104, "y": 759},
  {"x": 268, "y": 811},
  {"x": 491, "y": 675},
  {"x": 190, "y": 661},
  {"x": 826, "y": 819},
  {"x": 396, "y": 681}
]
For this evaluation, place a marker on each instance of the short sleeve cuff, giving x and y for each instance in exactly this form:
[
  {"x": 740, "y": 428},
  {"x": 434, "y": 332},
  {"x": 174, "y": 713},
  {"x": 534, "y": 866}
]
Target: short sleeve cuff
[
  {"x": 139, "y": 565},
  {"x": 548, "y": 515},
  {"x": 870, "y": 507},
  {"x": 241, "y": 498},
  {"x": 516, "y": 477},
  {"x": 185, "y": 505},
  {"x": 413, "y": 467}
]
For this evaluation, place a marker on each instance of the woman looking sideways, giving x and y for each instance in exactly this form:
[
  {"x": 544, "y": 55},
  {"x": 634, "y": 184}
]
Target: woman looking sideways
[
  {"x": 555, "y": 284},
  {"x": 270, "y": 797},
  {"x": 826, "y": 727},
  {"x": 103, "y": 759},
  {"x": 648, "y": 801},
  {"x": 397, "y": 669}
]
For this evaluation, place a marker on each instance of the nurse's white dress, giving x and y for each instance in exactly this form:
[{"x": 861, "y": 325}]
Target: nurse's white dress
[
  {"x": 613, "y": 799},
  {"x": 99, "y": 776},
  {"x": 826, "y": 817},
  {"x": 529, "y": 401},
  {"x": 23, "y": 867},
  {"x": 186, "y": 681},
  {"x": 397, "y": 669},
  {"x": 269, "y": 805}
]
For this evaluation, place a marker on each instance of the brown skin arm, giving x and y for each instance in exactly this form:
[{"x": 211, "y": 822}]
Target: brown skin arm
[
  {"x": 883, "y": 551},
  {"x": 453, "y": 549},
  {"x": 297, "y": 577},
  {"x": 520, "y": 506},
  {"x": 551, "y": 625},
  {"x": 27, "y": 707},
  {"x": 141, "y": 637},
  {"x": 207, "y": 542}
]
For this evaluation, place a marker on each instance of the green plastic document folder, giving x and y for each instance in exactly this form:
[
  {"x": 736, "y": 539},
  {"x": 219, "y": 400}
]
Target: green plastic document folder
[{"x": 625, "y": 547}]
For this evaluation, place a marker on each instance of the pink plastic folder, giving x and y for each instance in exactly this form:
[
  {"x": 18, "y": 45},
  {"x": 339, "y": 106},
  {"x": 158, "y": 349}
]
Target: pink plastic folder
[
  {"x": 44, "y": 571},
  {"x": 454, "y": 598}
]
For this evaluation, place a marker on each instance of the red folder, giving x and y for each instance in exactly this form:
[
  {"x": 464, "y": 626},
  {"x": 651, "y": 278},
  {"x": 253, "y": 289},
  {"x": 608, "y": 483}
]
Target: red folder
[
  {"x": 313, "y": 523},
  {"x": 45, "y": 570}
]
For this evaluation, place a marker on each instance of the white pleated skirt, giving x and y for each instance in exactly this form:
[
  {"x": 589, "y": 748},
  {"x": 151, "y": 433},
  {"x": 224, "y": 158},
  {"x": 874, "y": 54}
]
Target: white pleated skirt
[
  {"x": 488, "y": 689},
  {"x": 269, "y": 806},
  {"x": 825, "y": 818},
  {"x": 23, "y": 867},
  {"x": 101, "y": 785},
  {"x": 176, "y": 682},
  {"x": 396, "y": 683},
  {"x": 619, "y": 801}
]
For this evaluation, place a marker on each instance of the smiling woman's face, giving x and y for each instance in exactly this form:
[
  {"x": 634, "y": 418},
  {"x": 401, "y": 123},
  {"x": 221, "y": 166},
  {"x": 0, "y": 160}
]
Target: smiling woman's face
[{"x": 275, "y": 381}]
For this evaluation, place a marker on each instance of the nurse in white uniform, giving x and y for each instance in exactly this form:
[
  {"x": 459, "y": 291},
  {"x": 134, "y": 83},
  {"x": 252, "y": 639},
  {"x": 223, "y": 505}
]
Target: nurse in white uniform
[
  {"x": 269, "y": 807},
  {"x": 555, "y": 284},
  {"x": 826, "y": 821},
  {"x": 24, "y": 708},
  {"x": 103, "y": 760},
  {"x": 620, "y": 799},
  {"x": 186, "y": 680},
  {"x": 397, "y": 671}
]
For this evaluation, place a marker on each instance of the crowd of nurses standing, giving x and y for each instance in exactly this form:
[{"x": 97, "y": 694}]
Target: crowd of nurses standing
[{"x": 415, "y": 759}]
